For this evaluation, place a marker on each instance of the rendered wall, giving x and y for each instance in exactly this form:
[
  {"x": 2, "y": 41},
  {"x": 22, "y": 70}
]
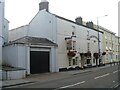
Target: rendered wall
[
  {"x": 43, "y": 25},
  {"x": 65, "y": 29},
  {"x": 18, "y": 32},
  {"x": 15, "y": 55}
]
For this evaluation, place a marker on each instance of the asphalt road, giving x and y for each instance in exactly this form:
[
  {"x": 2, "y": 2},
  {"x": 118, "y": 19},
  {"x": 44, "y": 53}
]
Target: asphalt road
[{"x": 99, "y": 78}]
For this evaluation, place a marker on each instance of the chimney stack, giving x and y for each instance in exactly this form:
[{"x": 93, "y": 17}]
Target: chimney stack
[
  {"x": 90, "y": 24},
  {"x": 44, "y": 4},
  {"x": 78, "y": 20}
]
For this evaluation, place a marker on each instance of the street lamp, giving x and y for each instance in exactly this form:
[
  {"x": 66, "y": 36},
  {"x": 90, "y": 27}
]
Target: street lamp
[{"x": 99, "y": 36}]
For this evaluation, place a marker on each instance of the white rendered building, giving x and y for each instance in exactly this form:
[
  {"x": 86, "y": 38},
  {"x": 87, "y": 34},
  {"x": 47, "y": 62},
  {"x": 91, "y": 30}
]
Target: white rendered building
[{"x": 64, "y": 42}]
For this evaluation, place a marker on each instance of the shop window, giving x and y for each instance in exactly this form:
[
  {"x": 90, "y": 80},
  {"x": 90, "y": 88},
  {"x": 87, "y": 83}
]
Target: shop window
[
  {"x": 74, "y": 62},
  {"x": 88, "y": 61},
  {"x": 116, "y": 57},
  {"x": 107, "y": 57},
  {"x": 69, "y": 61},
  {"x": 93, "y": 60}
]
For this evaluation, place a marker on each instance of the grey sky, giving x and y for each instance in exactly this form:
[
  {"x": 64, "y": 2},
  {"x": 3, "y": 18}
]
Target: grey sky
[{"x": 20, "y": 12}]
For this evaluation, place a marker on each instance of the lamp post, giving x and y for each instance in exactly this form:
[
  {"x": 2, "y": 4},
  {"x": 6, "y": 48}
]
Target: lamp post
[
  {"x": 99, "y": 37},
  {"x": 118, "y": 49}
]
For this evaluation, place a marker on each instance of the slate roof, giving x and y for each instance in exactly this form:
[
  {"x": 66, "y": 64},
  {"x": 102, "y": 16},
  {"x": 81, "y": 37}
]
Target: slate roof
[
  {"x": 75, "y": 22},
  {"x": 33, "y": 41}
]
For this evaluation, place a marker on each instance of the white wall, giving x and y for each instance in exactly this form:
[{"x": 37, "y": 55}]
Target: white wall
[
  {"x": 65, "y": 29},
  {"x": 5, "y": 31},
  {"x": 18, "y": 55},
  {"x": 1, "y": 26},
  {"x": 43, "y": 25},
  {"x": 15, "y": 55},
  {"x": 18, "y": 32},
  {"x": 54, "y": 60}
]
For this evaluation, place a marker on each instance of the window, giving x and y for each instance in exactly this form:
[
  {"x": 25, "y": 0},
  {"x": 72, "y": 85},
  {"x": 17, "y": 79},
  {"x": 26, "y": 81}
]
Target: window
[
  {"x": 73, "y": 32},
  {"x": 107, "y": 57},
  {"x": 106, "y": 42},
  {"x": 116, "y": 57},
  {"x": 74, "y": 45},
  {"x": 88, "y": 38},
  {"x": 74, "y": 61},
  {"x": 93, "y": 60},
  {"x": 69, "y": 61},
  {"x": 69, "y": 44},
  {"x": 88, "y": 46},
  {"x": 88, "y": 33}
]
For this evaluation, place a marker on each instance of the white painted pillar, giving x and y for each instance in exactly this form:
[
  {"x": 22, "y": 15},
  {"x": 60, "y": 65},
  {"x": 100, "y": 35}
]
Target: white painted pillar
[
  {"x": 1, "y": 27},
  {"x": 28, "y": 60},
  {"x": 54, "y": 60}
]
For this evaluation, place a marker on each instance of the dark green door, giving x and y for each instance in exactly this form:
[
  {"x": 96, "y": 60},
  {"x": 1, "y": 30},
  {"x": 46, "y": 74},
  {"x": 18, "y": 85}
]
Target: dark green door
[{"x": 39, "y": 62}]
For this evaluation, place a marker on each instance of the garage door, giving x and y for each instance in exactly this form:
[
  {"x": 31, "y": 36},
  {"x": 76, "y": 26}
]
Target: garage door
[{"x": 39, "y": 62}]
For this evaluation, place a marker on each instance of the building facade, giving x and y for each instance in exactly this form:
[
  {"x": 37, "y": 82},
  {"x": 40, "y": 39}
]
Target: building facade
[
  {"x": 117, "y": 49},
  {"x": 77, "y": 41},
  {"x": 111, "y": 45},
  {"x": 80, "y": 39},
  {"x": 62, "y": 44},
  {"x": 43, "y": 36}
]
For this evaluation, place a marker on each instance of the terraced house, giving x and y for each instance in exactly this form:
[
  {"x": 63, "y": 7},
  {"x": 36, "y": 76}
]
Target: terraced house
[{"x": 111, "y": 45}]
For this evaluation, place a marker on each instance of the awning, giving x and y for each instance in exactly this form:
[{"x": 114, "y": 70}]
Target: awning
[
  {"x": 106, "y": 48},
  {"x": 110, "y": 49}
]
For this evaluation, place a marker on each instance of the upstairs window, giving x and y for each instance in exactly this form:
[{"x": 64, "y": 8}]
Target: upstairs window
[
  {"x": 73, "y": 31},
  {"x": 74, "y": 45}
]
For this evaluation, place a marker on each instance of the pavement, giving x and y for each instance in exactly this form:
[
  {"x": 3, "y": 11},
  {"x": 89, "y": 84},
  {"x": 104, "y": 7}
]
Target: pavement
[{"x": 47, "y": 77}]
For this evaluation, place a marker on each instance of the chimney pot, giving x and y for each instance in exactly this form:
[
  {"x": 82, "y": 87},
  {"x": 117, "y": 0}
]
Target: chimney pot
[{"x": 44, "y": 4}]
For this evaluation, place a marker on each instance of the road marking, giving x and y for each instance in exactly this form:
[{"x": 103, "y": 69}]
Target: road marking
[
  {"x": 116, "y": 85},
  {"x": 115, "y": 71},
  {"x": 102, "y": 76},
  {"x": 70, "y": 85},
  {"x": 102, "y": 67}
]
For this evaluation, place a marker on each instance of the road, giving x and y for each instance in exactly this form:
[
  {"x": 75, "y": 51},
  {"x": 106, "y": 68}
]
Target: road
[{"x": 98, "y": 78}]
